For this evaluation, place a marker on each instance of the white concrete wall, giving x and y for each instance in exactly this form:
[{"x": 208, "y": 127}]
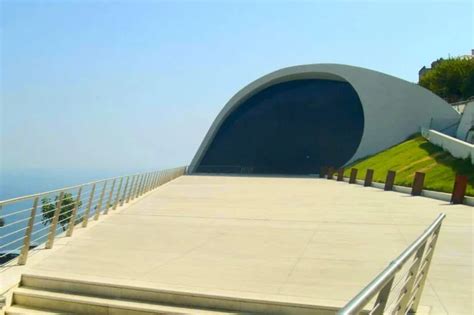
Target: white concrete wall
[
  {"x": 394, "y": 109},
  {"x": 467, "y": 121},
  {"x": 457, "y": 148}
]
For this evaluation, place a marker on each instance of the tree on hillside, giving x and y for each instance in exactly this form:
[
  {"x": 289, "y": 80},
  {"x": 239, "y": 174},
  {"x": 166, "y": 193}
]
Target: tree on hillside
[
  {"x": 67, "y": 205},
  {"x": 451, "y": 79}
]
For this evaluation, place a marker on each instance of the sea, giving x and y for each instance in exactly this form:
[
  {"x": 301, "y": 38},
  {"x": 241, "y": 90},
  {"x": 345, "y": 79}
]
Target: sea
[{"x": 16, "y": 183}]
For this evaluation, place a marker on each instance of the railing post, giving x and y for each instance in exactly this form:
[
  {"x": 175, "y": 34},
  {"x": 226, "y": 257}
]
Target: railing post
[
  {"x": 145, "y": 179},
  {"x": 72, "y": 221},
  {"x": 160, "y": 178},
  {"x": 117, "y": 197},
  {"x": 156, "y": 179},
  {"x": 137, "y": 186},
  {"x": 99, "y": 205},
  {"x": 141, "y": 189},
  {"x": 89, "y": 205},
  {"x": 152, "y": 180},
  {"x": 382, "y": 298},
  {"x": 124, "y": 194},
  {"x": 109, "y": 201},
  {"x": 157, "y": 176},
  {"x": 133, "y": 189},
  {"x": 26, "y": 242},
  {"x": 423, "y": 272},
  {"x": 149, "y": 182},
  {"x": 410, "y": 279},
  {"x": 54, "y": 223},
  {"x": 380, "y": 284},
  {"x": 143, "y": 186},
  {"x": 129, "y": 196}
]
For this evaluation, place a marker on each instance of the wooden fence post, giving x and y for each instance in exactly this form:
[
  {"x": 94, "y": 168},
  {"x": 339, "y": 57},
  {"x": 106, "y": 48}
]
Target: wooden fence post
[
  {"x": 340, "y": 174},
  {"x": 330, "y": 172},
  {"x": 353, "y": 178},
  {"x": 418, "y": 183},
  {"x": 390, "y": 180},
  {"x": 369, "y": 175},
  {"x": 459, "y": 189}
]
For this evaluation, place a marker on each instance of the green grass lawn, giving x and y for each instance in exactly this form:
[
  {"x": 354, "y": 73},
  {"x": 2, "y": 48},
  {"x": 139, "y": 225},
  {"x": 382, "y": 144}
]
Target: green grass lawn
[{"x": 417, "y": 155}]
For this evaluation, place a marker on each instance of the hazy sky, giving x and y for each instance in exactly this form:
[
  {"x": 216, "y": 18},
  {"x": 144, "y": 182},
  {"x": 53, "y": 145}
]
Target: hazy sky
[{"x": 122, "y": 86}]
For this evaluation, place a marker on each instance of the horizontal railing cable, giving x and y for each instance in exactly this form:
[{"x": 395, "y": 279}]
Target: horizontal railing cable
[
  {"x": 402, "y": 297},
  {"x": 15, "y": 212},
  {"x": 61, "y": 210}
]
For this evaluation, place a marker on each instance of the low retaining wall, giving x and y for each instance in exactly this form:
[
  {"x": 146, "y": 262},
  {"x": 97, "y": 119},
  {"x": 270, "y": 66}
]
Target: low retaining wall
[
  {"x": 468, "y": 200},
  {"x": 456, "y": 147}
]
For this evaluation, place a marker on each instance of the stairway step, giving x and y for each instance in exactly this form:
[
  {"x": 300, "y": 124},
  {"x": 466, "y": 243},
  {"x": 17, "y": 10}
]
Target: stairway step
[
  {"x": 24, "y": 310},
  {"x": 83, "y": 304},
  {"x": 182, "y": 298}
]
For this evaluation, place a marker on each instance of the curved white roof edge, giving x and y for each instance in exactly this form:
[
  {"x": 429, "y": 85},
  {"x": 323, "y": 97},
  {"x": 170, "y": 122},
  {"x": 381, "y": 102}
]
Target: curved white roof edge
[{"x": 393, "y": 108}]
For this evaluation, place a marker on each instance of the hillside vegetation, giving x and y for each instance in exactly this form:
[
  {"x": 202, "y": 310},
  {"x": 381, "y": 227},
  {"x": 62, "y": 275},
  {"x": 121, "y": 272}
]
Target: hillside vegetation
[
  {"x": 417, "y": 155},
  {"x": 451, "y": 79}
]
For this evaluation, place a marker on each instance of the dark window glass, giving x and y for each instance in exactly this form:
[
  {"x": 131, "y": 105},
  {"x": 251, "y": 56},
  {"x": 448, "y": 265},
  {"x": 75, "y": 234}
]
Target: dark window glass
[{"x": 293, "y": 127}]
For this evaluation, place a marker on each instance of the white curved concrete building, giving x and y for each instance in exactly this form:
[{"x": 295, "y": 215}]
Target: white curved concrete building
[{"x": 297, "y": 119}]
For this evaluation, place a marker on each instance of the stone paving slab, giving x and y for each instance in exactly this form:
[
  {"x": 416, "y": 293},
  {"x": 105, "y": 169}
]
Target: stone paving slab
[{"x": 294, "y": 239}]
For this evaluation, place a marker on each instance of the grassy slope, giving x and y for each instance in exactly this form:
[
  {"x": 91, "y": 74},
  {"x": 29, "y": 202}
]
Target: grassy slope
[{"x": 415, "y": 155}]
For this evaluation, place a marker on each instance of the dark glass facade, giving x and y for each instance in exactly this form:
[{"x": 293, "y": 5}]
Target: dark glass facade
[{"x": 290, "y": 128}]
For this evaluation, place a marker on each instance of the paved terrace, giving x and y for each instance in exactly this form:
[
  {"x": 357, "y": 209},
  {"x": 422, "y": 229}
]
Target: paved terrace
[{"x": 297, "y": 239}]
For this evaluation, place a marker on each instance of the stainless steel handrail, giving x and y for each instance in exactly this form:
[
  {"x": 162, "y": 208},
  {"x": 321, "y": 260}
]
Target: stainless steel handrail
[
  {"x": 386, "y": 277},
  {"x": 21, "y": 198}
]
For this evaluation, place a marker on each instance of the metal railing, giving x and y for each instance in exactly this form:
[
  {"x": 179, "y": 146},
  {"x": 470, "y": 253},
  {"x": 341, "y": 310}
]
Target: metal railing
[
  {"x": 398, "y": 292},
  {"x": 33, "y": 220}
]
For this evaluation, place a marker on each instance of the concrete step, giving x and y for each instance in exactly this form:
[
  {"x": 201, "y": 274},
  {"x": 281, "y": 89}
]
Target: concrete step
[
  {"x": 67, "y": 303},
  {"x": 182, "y": 299},
  {"x": 24, "y": 310}
]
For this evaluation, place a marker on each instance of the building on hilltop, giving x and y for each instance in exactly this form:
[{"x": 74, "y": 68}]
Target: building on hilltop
[{"x": 424, "y": 70}]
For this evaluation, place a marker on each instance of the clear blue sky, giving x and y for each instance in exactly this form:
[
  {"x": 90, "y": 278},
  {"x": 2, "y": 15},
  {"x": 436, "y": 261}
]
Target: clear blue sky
[{"x": 122, "y": 86}]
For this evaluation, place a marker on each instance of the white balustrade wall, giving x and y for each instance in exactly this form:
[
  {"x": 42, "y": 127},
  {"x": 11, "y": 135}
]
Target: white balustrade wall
[{"x": 457, "y": 148}]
